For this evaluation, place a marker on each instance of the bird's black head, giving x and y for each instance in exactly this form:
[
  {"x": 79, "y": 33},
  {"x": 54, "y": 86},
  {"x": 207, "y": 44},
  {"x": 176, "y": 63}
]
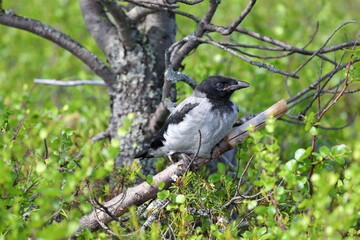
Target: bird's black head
[{"x": 220, "y": 88}]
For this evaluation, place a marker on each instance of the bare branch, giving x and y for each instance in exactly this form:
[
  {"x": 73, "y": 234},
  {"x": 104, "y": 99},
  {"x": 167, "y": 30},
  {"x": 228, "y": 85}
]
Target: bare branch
[
  {"x": 184, "y": 1},
  {"x": 318, "y": 126},
  {"x": 150, "y": 3},
  {"x": 319, "y": 91},
  {"x": 152, "y": 8},
  {"x": 69, "y": 83},
  {"x": 61, "y": 39},
  {"x": 229, "y": 29},
  {"x": 99, "y": 25},
  {"x": 319, "y": 50},
  {"x": 122, "y": 22},
  {"x": 313, "y": 85},
  {"x": 175, "y": 76},
  {"x": 340, "y": 94},
  {"x": 340, "y": 46},
  {"x": 209, "y": 14},
  {"x": 255, "y": 63},
  {"x": 276, "y": 42},
  {"x": 143, "y": 192},
  {"x": 136, "y": 13},
  {"x": 100, "y": 136}
]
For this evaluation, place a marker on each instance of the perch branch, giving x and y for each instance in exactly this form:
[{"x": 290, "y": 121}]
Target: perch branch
[{"x": 143, "y": 192}]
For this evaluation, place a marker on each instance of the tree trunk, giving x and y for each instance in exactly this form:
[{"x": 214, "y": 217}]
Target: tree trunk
[{"x": 135, "y": 49}]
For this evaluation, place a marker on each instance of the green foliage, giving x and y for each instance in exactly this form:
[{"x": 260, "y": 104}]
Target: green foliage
[
  {"x": 274, "y": 201},
  {"x": 41, "y": 173}
]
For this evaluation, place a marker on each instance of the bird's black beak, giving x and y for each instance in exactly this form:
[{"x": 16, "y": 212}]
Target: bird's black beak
[{"x": 237, "y": 86}]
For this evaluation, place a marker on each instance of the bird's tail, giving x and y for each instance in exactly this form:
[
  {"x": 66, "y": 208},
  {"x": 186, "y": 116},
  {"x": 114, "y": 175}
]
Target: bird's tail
[{"x": 143, "y": 154}]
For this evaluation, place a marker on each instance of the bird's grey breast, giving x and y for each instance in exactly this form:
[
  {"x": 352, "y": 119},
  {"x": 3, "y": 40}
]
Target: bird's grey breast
[{"x": 200, "y": 128}]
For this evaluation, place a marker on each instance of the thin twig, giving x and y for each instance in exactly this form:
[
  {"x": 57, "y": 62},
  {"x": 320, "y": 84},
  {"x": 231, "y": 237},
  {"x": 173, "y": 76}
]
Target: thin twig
[
  {"x": 246, "y": 11},
  {"x": 318, "y": 126},
  {"x": 243, "y": 174},
  {"x": 255, "y": 63},
  {"x": 185, "y": 2},
  {"x": 319, "y": 50},
  {"x": 313, "y": 85},
  {"x": 196, "y": 154},
  {"x": 61, "y": 39},
  {"x": 46, "y": 155},
  {"x": 18, "y": 127},
  {"x": 318, "y": 93},
  {"x": 69, "y": 83},
  {"x": 100, "y": 136},
  {"x": 277, "y": 214}
]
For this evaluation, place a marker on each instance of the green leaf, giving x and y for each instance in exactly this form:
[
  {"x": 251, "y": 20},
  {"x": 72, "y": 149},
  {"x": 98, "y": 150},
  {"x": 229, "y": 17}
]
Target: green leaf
[
  {"x": 280, "y": 190},
  {"x": 171, "y": 206},
  {"x": 180, "y": 198},
  {"x": 161, "y": 186},
  {"x": 299, "y": 153},
  {"x": 163, "y": 194},
  {"x": 309, "y": 119},
  {"x": 260, "y": 210},
  {"x": 40, "y": 167},
  {"x": 251, "y": 205},
  {"x": 271, "y": 210},
  {"x": 68, "y": 131},
  {"x": 339, "y": 149},
  {"x": 324, "y": 151},
  {"x": 313, "y": 131},
  {"x": 291, "y": 165},
  {"x": 149, "y": 179}
]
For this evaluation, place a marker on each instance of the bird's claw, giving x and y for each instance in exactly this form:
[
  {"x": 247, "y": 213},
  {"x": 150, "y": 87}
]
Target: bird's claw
[{"x": 188, "y": 160}]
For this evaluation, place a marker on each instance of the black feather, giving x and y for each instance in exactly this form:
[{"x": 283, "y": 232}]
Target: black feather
[
  {"x": 174, "y": 118},
  {"x": 143, "y": 154}
]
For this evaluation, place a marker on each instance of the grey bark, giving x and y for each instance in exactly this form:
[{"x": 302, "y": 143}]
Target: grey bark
[{"x": 135, "y": 51}]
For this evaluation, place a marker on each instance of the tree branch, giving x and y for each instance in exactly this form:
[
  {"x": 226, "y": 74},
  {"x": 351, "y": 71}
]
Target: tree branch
[
  {"x": 229, "y": 29},
  {"x": 99, "y": 26},
  {"x": 139, "y": 194},
  {"x": 69, "y": 83},
  {"x": 255, "y": 63},
  {"x": 61, "y": 39},
  {"x": 122, "y": 21},
  {"x": 184, "y": 1},
  {"x": 137, "y": 12},
  {"x": 313, "y": 85}
]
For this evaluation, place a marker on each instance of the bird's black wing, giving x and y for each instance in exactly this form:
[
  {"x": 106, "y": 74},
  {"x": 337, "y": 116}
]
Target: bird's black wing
[
  {"x": 175, "y": 118},
  {"x": 143, "y": 154}
]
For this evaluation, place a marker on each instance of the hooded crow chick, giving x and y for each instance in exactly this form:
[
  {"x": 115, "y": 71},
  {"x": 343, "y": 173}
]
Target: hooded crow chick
[{"x": 203, "y": 118}]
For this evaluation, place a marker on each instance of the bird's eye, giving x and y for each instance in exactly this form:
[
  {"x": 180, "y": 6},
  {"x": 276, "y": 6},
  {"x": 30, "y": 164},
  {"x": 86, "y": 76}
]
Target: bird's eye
[{"x": 219, "y": 85}]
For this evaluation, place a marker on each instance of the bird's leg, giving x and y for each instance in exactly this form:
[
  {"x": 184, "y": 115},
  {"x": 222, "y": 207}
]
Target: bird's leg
[
  {"x": 170, "y": 159},
  {"x": 188, "y": 160}
]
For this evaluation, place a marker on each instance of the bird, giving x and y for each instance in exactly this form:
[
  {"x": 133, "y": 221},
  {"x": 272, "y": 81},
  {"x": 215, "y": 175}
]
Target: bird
[{"x": 199, "y": 122}]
